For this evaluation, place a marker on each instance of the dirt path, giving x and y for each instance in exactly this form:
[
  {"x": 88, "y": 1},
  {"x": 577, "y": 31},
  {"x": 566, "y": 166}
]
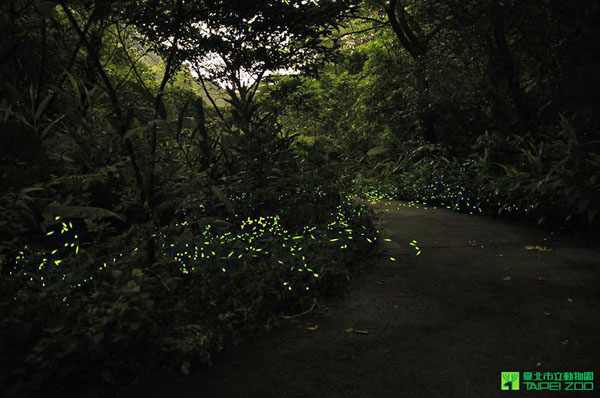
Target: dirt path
[{"x": 441, "y": 324}]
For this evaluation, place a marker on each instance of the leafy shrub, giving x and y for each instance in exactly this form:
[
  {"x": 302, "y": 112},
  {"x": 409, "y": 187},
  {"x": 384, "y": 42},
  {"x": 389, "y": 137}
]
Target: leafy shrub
[
  {"x": 103, "y": 323},
  {"x": 551, "y": 178}
]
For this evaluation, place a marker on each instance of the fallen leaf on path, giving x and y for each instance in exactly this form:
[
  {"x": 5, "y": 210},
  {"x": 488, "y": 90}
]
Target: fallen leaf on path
[
  {"x": 538, "y": 364},
  {"x": 500, "y": 255},
  {"x": 507, "y": 278},
  {"x": 312, "y": 328},
  {"x": 359, "y": 331},
  {"x": 380, "y": 283},
  {"x": 185, "y": 367},
  {"x": 547, "y": 313},
  {"x": 538, "y": 248},
  {"x": 570, "y": 300}
]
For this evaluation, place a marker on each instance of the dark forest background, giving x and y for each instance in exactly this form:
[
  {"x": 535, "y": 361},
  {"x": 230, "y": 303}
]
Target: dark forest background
[{"x": 176, "y": 175}]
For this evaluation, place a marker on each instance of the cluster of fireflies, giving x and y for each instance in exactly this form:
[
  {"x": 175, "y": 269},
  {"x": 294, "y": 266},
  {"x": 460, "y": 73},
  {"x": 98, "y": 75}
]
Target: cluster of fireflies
[
  {"x": 252, "y": 239},
  {"x": 414, "y": 245},
  {"x": 451, "y": 196}
]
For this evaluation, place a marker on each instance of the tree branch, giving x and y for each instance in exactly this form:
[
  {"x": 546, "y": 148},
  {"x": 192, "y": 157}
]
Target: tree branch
[
  {"x": 367, "y": 19},
  {"x": 107, "y": 83},
  {"x": 133, "y": 62},
  {"x": 356, "y": 32},
  {"x": 404, "y": 24},
  {"x": 414, "y": 24},
  {"x": 112, "y": 95},
  {"x": 404, "y": 41},
  {"x": 254, "y": 86},
  {"x": 210, "y": 98}
]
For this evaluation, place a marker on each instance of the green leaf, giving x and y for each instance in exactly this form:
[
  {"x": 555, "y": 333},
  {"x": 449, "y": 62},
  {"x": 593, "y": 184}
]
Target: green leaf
[
  {"x": 568, "y": 130},
  {"x": 137, "y": 273},
  {"x": 215, "y": 221},
  {"x": 136, "y": 131},
  {"x": 42, "y": 107},
  {"x": 27, "y": 190},
  {"x": 377, "y": 151},
  {"x": 49, "y": 127},
  {"x": 75, "y": 87}
]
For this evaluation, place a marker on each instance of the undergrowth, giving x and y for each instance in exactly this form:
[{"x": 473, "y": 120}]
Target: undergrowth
[
  {"x": 551, "y": 179},
  {"x": 72, "y": 318}
]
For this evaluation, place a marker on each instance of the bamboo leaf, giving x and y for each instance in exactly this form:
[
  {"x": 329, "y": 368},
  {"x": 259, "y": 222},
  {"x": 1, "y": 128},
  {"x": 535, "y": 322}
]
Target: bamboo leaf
[
  {"x": 75, "y": 87},
  {"x": 377, "y": 150},
  {"x": 42, "y": 107}
]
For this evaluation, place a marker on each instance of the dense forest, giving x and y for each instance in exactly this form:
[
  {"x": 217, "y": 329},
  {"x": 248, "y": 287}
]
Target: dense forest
[{"x": 176, "y": 176}]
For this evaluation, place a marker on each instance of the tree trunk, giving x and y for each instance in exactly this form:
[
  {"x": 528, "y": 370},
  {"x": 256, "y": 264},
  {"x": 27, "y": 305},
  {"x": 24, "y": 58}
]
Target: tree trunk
[
  {"x": 504, "y": 68},
  {"x": 416, "y": 45},
  {"x": 425, "y": 111}
]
